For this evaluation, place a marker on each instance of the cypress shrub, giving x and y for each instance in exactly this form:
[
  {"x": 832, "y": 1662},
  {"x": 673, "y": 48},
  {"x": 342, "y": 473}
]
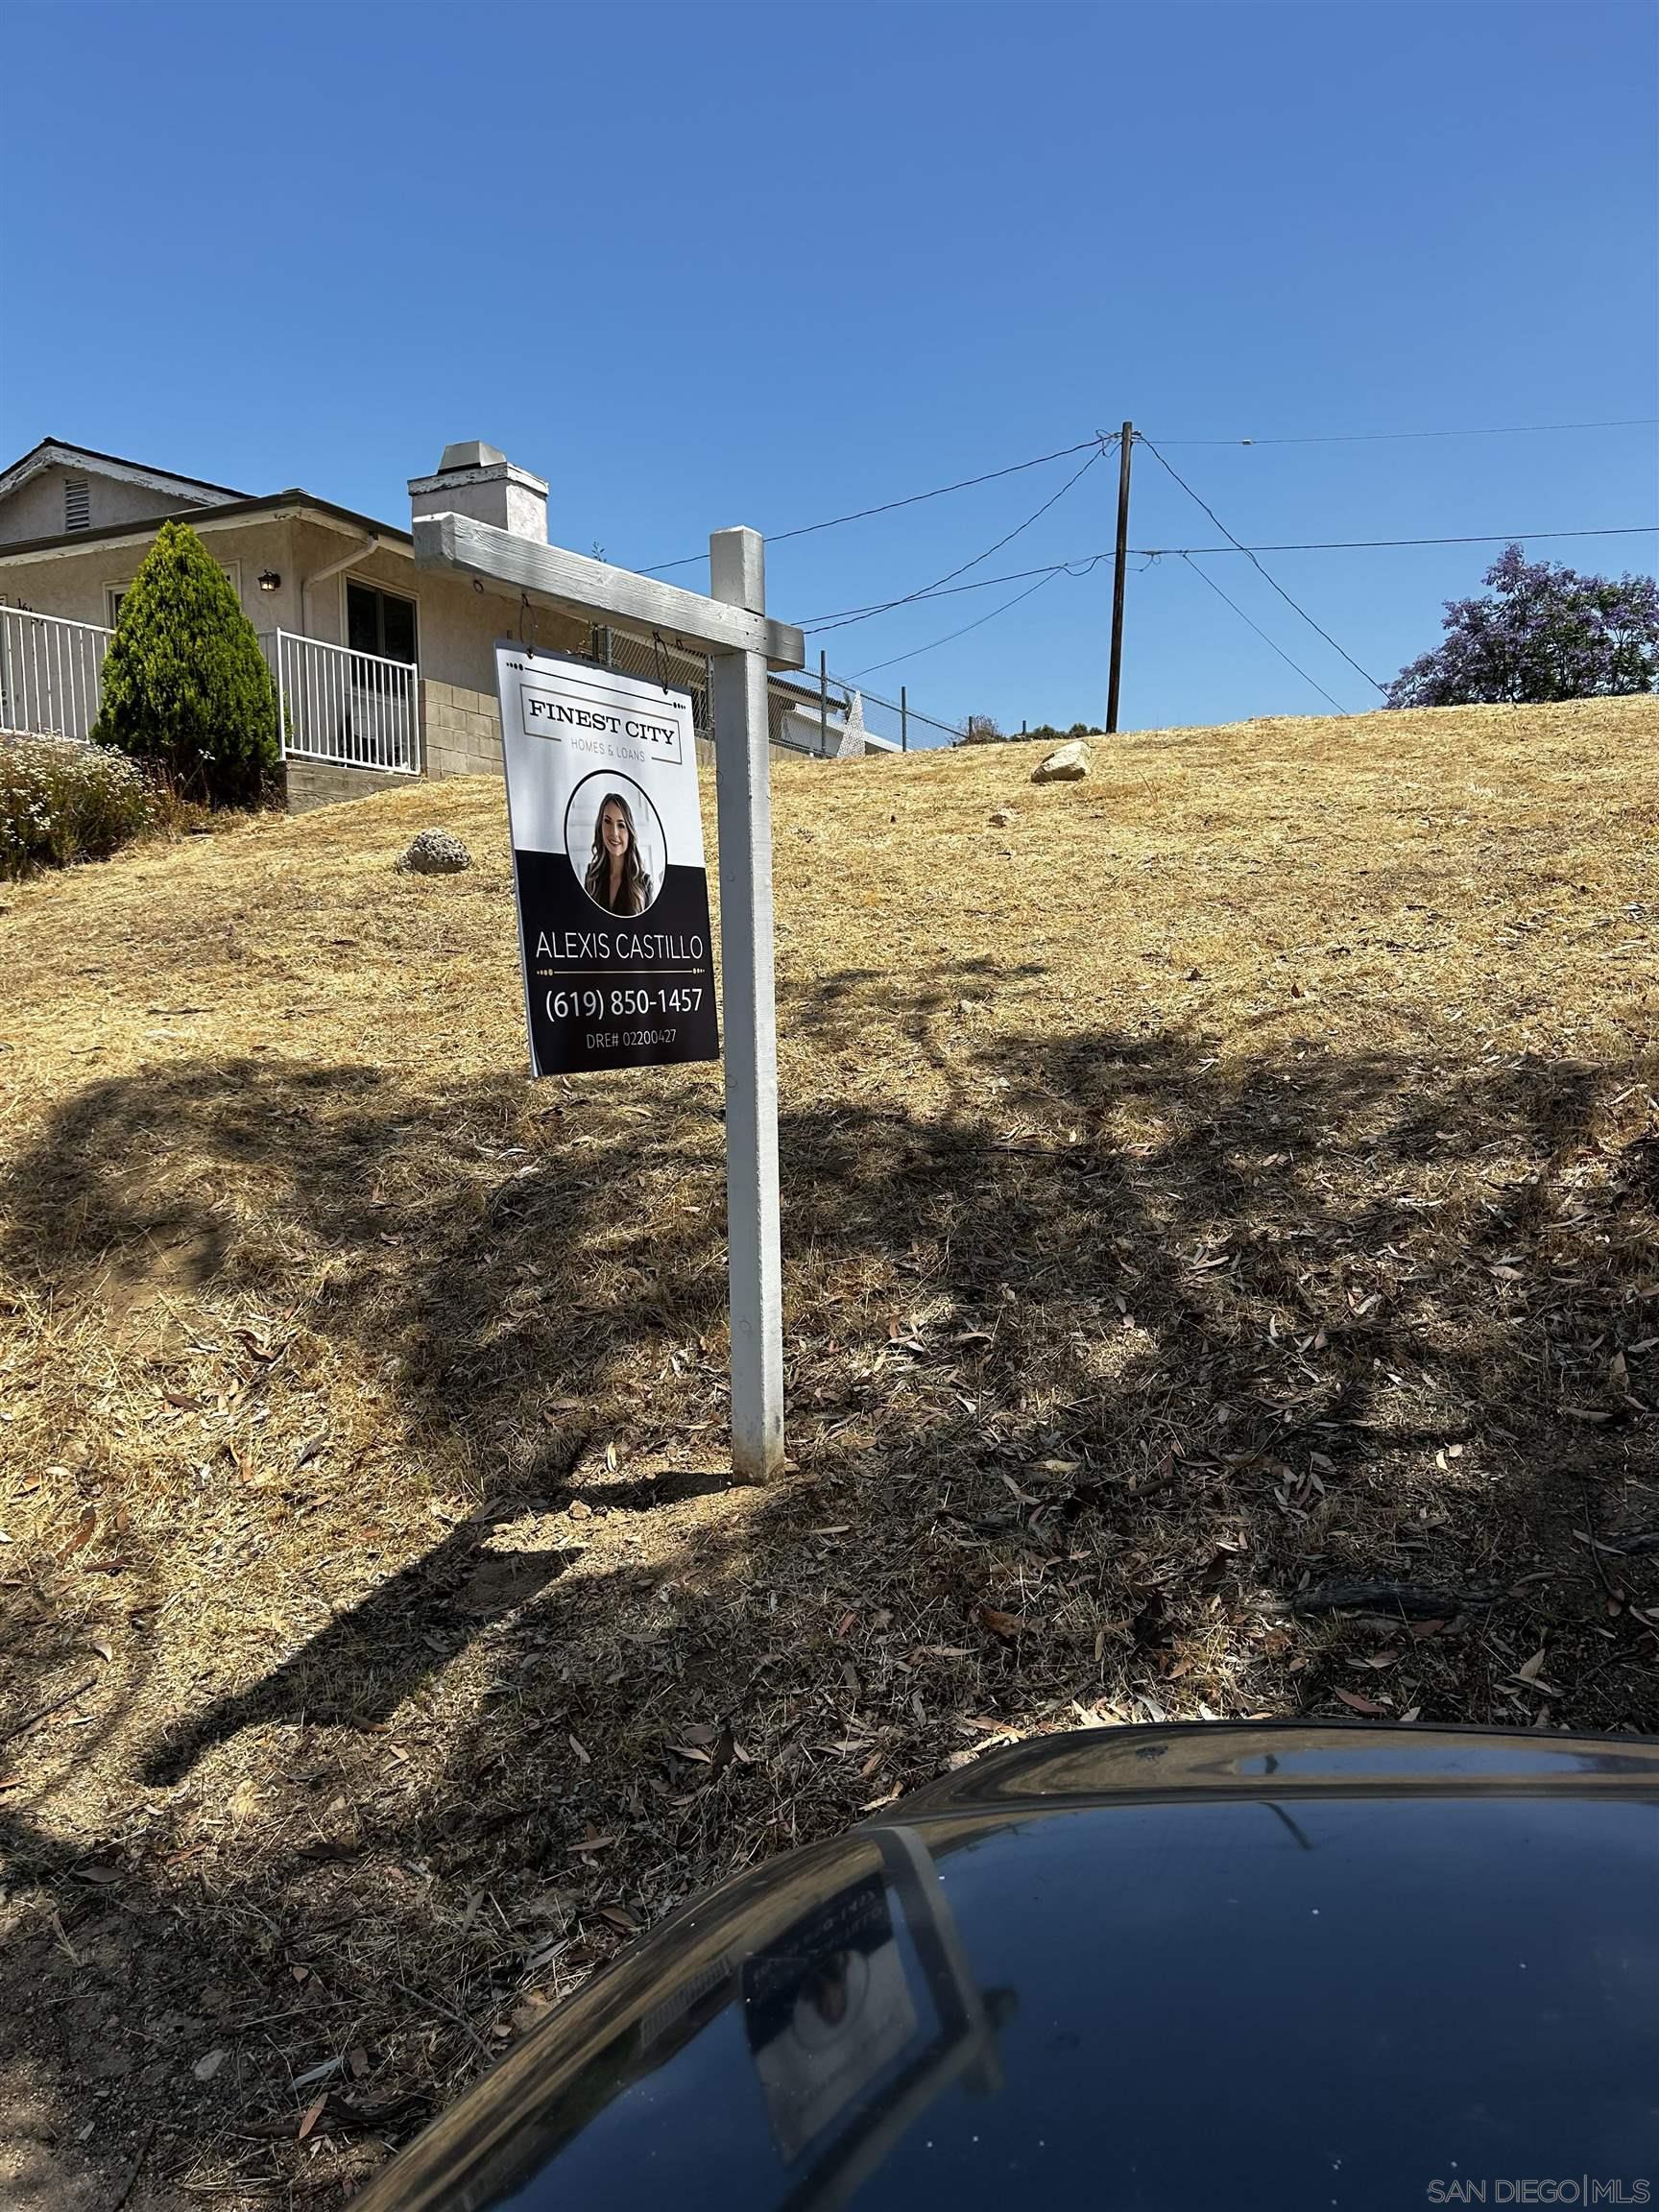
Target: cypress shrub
[{"x": 185, "y": 685}]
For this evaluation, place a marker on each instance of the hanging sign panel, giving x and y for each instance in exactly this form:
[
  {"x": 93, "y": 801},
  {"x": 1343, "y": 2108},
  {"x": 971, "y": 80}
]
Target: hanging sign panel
[{"x": 606, "y": 865}]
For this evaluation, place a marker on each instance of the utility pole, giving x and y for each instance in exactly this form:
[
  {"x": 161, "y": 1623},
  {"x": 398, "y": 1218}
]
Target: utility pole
[{"x": 1126, "y": 446}]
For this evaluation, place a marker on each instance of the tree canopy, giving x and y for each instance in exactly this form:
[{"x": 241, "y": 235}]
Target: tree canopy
[{"x": 1542, "y": 633}]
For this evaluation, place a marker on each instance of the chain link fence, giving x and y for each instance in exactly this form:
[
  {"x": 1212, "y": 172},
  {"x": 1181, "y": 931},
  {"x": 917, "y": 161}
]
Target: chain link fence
[
  {"x": 677, "y": 668},
  {"x": 803, "y": 710},
  {"x": 898, "y": 723}
]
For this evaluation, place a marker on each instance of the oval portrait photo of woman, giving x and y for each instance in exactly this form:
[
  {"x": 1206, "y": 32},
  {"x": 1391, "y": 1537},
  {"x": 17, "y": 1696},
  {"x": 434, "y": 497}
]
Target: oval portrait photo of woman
[{"x": 614, "y": 842}]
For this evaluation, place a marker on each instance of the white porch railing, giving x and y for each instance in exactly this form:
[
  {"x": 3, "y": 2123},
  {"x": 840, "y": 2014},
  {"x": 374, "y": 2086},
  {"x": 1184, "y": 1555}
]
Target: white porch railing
[
  {"x": 50, "y": 673},
  {"x": 355, "y": 709}
]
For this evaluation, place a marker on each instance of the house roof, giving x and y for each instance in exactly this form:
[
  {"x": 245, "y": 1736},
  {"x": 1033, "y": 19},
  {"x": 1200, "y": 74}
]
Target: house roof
[
  {"x": 224, "y": 514},
  {"x": 55, "y": 453},
  {"x": 803, "y": 692}
]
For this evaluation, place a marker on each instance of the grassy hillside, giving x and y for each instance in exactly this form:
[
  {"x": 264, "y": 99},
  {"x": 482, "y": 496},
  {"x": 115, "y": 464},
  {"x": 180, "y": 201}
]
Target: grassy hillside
[{"x": 1231, "y": 1182}]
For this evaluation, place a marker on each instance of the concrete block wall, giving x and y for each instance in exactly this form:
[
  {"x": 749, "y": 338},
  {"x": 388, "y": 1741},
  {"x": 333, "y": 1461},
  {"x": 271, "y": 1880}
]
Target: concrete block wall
[
  {"x": 322, "y": 783},
  {"x": 461, "y": 731}
]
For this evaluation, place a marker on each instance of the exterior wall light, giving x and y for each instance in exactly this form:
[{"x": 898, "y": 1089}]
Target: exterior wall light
[{"x": 269, "y": 581}]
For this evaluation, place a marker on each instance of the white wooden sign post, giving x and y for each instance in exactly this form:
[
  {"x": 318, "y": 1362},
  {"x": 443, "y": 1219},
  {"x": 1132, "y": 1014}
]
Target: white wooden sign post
[{"x": 734, "y": 627}]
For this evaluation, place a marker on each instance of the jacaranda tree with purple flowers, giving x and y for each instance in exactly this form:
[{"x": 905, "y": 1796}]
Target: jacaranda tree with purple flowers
[{"x": 1544, "y": 633}]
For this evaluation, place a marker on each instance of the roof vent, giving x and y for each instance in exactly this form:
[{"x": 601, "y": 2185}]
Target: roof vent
[
  {"x": 77, "y": 503},
  {"x": 473, "y": 454}
]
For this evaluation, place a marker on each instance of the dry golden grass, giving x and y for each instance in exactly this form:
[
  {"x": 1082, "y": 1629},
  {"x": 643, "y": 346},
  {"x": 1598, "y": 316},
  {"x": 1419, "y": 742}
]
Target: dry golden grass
[{"x": 1237, "y": 1177}]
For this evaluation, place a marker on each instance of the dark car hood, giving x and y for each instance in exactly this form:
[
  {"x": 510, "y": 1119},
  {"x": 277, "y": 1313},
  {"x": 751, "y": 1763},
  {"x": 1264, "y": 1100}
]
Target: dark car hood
[{"x": 1131, "y": 1968}]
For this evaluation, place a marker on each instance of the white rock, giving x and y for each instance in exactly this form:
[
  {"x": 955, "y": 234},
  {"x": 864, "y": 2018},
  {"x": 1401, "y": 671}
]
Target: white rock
[{"x": 1066, "y": 764}]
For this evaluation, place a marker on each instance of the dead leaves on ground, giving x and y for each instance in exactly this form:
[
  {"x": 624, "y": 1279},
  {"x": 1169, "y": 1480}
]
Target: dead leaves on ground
[{"x": 1158, "y": 1350}]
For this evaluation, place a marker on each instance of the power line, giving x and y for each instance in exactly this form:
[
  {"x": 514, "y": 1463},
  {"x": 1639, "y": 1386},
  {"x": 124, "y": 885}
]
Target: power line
[
  {"x": 1374, "y": 544},
  {"x": 1378, "y": 437},
  {"x": 887, "y": 506},
  {"x": 939, "y": 583},
  {"x": 876, "y": 667},
  {"x": 1048, "y": 576},
  {"x": 1255, "y": 564},
  {"x": 825, "y": 623},
  {"x": 1263, "y": 635},
  {"x": 850, "y": 614},
  {"x": 1064, "y": 452},
  {"x": 1083, "y": 563}
]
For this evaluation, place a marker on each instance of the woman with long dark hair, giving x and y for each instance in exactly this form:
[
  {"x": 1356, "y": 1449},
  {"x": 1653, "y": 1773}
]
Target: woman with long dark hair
[{"x": 615, "y": 879}]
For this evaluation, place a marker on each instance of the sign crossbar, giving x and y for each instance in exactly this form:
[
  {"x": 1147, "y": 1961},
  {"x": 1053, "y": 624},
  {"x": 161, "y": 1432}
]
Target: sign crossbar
[{"x": 596, "y": 591}]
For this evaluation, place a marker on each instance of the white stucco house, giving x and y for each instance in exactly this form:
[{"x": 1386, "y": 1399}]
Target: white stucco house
[
  {"x": 829, "y": 727},
  {"x": 385, "y": 670}
]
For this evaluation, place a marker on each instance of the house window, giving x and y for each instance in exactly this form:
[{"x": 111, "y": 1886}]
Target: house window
[
  {"x": 114, "y": 593},
  {"x": 379, "y": 622},
  {"x": 77, "y": 503}
]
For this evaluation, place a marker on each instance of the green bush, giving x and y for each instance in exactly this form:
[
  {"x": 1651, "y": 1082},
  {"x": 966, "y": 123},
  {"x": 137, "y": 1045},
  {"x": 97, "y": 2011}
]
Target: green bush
[
  {"x": 1047, "y": 732},
  {"x": 185, "y": 685},
  {"x": 62, "y": 802}
]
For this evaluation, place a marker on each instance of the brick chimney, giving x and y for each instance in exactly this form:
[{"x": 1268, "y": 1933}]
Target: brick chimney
[{"x": 477, "y": 480}]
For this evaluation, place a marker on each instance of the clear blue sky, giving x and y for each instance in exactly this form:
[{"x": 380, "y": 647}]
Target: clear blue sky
[{"x": 702, "y": 265}]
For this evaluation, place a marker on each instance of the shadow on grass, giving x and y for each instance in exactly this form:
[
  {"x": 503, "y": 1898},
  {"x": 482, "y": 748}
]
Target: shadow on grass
[
  {"x": 1093, "y": 1367},
  {"x": 355, "y": 1673}
]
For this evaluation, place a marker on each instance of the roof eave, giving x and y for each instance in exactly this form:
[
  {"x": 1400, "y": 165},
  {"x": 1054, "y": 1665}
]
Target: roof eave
[
  {"x": 227, "y": 515},
  {"x": 57, "y": 452}
]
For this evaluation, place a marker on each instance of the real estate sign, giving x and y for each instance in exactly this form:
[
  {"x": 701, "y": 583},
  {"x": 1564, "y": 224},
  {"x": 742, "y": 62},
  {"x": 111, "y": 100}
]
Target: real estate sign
[{"x": 606, "y": 865}]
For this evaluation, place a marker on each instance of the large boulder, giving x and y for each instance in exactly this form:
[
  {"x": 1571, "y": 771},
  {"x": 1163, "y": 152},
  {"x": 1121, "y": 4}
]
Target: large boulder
[
  {"x": 1066, "y": 764},
  {"x": 434, "y": 853}
]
